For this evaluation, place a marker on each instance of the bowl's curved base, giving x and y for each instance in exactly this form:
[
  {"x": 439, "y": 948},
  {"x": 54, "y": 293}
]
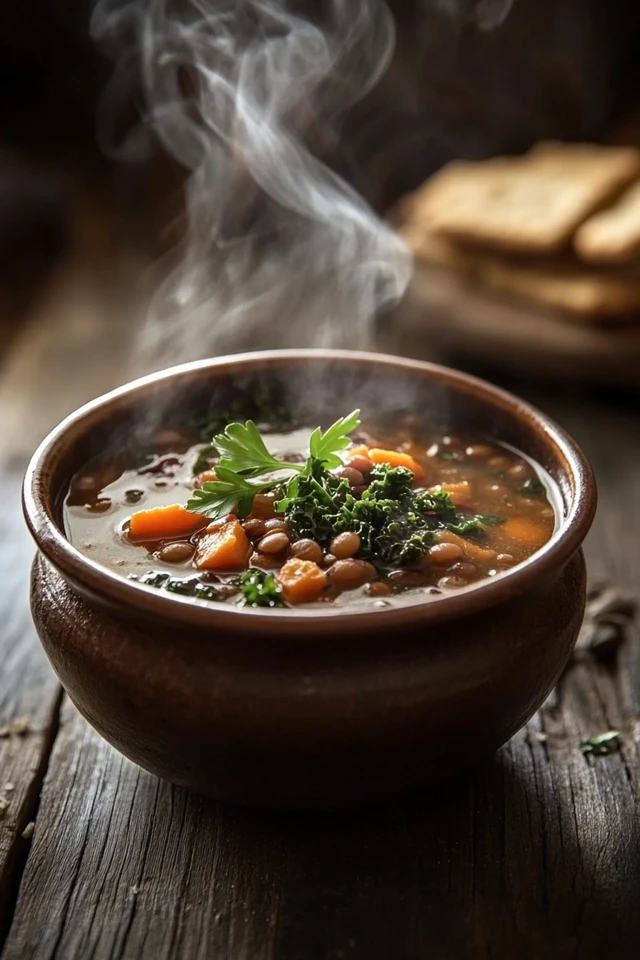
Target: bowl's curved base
[{"x": 316, "y": 725}]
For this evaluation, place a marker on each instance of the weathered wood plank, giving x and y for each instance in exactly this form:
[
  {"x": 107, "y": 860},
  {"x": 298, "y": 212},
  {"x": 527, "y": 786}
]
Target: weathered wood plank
[
  {"x": 444, "y": 312},
  {"x": 70, "y": 349},
  {"x": 28, "y": 692},
  {"x": 534, "y": 855},
  {"x": 527, "y": 855},
  {"x": 109, "y": 823}
]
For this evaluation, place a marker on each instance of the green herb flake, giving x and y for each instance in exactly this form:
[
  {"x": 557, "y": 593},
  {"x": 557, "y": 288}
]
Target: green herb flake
[
  {"x": 533, "y": 487},
  {"x": 473, "y": 526},
  {"x": 602, "y": 744},
  {"x": 185, "y": 586},
  {"x": 260, "y": 589},
  {"x": 152, "y": 579},
  {"x": 206, "y": 591}
]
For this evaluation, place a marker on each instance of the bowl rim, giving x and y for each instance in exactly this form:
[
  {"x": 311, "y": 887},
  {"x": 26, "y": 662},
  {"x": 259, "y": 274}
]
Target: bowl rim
[{"x": 90, "y": 577}]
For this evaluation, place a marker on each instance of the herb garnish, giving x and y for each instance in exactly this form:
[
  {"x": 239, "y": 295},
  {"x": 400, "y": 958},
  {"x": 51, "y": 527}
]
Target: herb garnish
[
  {"x": 473, "y": 526},
  {"x": 389, "y": 517},
  {"x": 186, "y": 586},
  {"x": 260, "y": 589},
  {"x": 395, "y": 522},
  {"x": 601, "y": 744},
  {"x": 244, "y": 456}
]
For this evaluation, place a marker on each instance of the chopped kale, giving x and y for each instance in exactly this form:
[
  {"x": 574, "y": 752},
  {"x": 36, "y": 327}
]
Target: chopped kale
[
  {"x": 185, "y": 586},
  {"x": 473, "y": 526},
  {"x": 206, "y": 591},
  {"x": 395, "y": 524},
  {"x": 260, "y": 589},
  {"x": 153, "y": 579}
]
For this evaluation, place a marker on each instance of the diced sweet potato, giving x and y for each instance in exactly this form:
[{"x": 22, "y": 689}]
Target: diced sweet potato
[
  {"x": 396, "y": 459},
  {"x": 301, "y": 581},
  {"x": 226, "y": 548},
  {"x": 524, "y": 531},
  {"x": 161, "y": 523},
  {"x": 264, "y": 507}
]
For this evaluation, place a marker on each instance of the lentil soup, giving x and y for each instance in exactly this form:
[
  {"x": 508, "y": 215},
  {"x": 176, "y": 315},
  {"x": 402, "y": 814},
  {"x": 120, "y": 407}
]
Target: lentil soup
[{"x": 353, "y": 515}]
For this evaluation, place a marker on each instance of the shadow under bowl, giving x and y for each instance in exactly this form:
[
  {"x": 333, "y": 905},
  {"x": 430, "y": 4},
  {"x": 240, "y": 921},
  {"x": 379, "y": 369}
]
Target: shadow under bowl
[{"x": 308, "y": 708}]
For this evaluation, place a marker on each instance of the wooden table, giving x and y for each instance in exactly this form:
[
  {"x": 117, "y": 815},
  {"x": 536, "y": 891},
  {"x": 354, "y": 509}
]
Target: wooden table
[{"x": 534, "y": 856}]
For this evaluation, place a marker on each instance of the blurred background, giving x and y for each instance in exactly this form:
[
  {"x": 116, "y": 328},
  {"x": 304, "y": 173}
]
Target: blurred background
[{"x": 89, "y": 204}]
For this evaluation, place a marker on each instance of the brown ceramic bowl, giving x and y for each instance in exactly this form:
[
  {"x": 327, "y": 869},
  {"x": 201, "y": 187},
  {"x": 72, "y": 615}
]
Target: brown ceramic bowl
[{"x": 307, "y": 708}]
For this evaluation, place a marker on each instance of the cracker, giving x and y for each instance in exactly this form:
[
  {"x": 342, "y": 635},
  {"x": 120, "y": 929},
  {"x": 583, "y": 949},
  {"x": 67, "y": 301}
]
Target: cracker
[
  {"x": 532, "y": 203},
  {"x": 613, "y": 235},
  {"x": 564, "y": 284}
]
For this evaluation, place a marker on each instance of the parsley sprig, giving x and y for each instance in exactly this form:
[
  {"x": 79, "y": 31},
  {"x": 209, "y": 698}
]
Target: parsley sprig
[{"x": 244, "y": 457}]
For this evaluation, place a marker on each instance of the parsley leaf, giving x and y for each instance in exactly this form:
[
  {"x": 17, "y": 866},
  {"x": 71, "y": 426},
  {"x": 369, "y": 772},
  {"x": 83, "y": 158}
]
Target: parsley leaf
[
  {"x": 244, "y": 456},
  {"x": 326, "y": 446},
  {"x": 243, "y": 451},
  {"x": 220, "y": 497}
]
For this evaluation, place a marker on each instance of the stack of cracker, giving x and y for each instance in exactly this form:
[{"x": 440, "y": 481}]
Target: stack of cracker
[{"x": 559, "y": 226}]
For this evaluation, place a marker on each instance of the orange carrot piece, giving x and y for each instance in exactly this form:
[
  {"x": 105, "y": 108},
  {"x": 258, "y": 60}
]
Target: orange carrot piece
[
  {"x": 360, "y": 451},
  {"x": 396, "y": 459},
  {"x": 523, "y": 531},
  {"x": 160, "y": 523},
  {"x": 301, "y": 581},
  {"x": 227, "y": 548}
]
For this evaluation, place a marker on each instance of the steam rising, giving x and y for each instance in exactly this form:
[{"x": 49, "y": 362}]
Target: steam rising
[
  {"x": 486, "y": 14},
  {"x": 279, "y": 250}
]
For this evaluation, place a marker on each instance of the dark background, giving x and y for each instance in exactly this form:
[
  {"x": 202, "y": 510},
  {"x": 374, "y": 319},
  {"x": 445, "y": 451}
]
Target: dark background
[{"x": 554, "y": 68}]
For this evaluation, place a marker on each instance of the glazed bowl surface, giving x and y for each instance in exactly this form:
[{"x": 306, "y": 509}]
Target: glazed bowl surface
[{"x": 315, "y": 707}]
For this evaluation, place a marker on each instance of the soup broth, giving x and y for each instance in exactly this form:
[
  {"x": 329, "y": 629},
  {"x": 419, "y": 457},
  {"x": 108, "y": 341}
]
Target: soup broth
[{"x": 398, "y": 516}]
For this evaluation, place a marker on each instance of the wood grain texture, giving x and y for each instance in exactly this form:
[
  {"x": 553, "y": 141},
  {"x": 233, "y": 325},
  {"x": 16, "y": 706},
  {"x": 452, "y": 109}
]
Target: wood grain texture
[
  {"x": 443, "y": 312},
  {"x": 534, "y": 855},
  {"x": 69, "y": 349},
  {"x": 29, "y": 694}
]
